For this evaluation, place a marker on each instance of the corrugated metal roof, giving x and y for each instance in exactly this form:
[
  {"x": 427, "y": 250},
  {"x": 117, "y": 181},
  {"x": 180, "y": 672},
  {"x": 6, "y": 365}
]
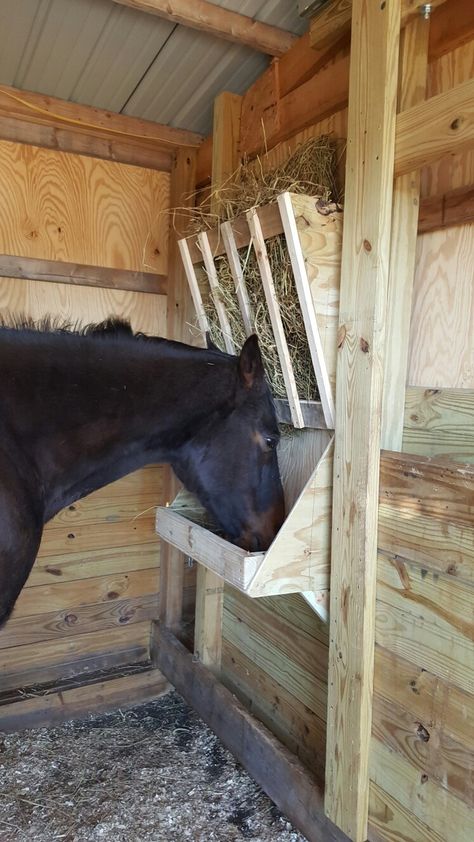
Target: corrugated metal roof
[{"x": 98, "y": 53}]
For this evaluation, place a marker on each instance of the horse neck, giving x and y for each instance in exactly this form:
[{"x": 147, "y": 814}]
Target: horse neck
[{"x": 118, "y": 406}]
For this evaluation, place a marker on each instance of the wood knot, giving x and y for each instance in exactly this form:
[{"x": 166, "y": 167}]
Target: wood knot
[
  {"x": 367, "y": 246},
  {"x": 70, "y": 619},
  {"x": 341, "y": 335},
  {"x": 424, "y": 778},
  {"x": 422, "y": 733},
  {"x": 364, "y": 345},
  {"x": 113, "y": 595},
  {"x": 456, "y": 124}
]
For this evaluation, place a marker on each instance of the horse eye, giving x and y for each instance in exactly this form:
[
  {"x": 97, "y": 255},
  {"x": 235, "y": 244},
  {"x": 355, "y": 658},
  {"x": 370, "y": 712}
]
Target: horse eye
[{"x": 270, "y": 443}]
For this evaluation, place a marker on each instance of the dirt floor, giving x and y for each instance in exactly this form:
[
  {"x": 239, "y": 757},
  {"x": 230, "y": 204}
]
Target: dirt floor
[{"x": 155, "y": 772}]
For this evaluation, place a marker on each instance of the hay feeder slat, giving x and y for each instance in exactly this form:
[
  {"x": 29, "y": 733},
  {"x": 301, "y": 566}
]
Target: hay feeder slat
[{"x": 299, "y": 557}]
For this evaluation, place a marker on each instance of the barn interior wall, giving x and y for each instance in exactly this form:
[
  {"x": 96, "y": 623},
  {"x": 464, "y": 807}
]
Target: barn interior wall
[
  {"x": 275, "y": 650},
  {"x": 94, "y": 589}
]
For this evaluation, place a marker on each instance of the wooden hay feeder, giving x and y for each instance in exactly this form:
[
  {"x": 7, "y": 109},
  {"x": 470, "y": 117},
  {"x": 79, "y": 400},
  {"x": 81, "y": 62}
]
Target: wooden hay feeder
[{"x": 299, "y": 558}]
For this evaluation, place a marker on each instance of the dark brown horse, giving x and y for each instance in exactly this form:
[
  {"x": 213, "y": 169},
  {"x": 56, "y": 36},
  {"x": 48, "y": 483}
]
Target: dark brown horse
[{"x": 81, "y": 409}]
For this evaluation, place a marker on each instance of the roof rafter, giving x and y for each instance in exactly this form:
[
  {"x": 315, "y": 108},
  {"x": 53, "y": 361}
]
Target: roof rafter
[{"x": 223, "y": 23}]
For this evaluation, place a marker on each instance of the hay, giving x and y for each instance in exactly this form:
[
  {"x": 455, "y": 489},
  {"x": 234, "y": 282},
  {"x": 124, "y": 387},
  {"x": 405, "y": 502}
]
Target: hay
[{"x": 310, "y": 170}]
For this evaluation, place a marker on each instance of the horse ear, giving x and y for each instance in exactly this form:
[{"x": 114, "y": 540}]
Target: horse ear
[
  {"x": 210, "y": 345},
  {"x": 250, "y": 363}
]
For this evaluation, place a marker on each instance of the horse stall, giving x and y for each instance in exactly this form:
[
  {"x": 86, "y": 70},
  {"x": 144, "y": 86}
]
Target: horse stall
[{"x": 337, "y": 665}]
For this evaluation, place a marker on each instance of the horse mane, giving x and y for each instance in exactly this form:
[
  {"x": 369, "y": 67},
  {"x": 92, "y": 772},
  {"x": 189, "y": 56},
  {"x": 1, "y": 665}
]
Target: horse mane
[{"x": 109, "y": 328}]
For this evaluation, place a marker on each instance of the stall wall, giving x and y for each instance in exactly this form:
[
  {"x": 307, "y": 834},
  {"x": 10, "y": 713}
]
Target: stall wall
[{"x": 94, "y": 589}]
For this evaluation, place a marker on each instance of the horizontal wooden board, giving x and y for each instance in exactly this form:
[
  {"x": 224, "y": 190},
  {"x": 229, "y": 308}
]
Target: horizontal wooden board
[
  {"x": 444, "y": 760},
  {"x": 61, "y": 539},
  {"x": 297, "y": 727},
  {"x": 439, "y": 422},
  {"x": 48, "y": 653},
  {"x": 65, "y": 705},
  {"x": 390, "y": 822},
  {"x": 290, "y": 657},
  {"x": 65, "y": 596},
  {"x": 57, "y": 271},
  {"x": 426, "y": 513},
  {"x": 429, "y": 699},
  {"x": 93, "y": 564},
  {"x": 453, "y": 208},
  {"x": 82, "y": 210},
  {"x": 270, "y": 220},
  {"x": 424, "y": 630},
  {"x": 436, "y": 807}
]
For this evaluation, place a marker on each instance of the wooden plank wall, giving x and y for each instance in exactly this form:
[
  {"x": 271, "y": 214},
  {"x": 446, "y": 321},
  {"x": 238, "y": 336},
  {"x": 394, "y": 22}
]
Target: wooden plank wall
[
  {"x": 275, "y": 650},
  {"x": 94, "y": 589}
]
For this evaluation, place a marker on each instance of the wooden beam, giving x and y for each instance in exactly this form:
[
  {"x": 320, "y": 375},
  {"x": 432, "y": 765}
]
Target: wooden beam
[
  {"x": 179, "y": 315},
  {"x": 65, "y": 704},
  {"x": 58, "y": 271},
  {"x": 452, "y": 25},
  {"x": 406, "y": 202},
  {"x": 456, "y": 207},
  {"x": 364, "y": 277},
  {"x": 442, "y": 125},
  {"x": 225, "y": 143},
  {"x": 285, "y": 780},
  {"x": 223, "y": 23},
  {"x": 27, "y": 117},
  {"x": 334, "y": 20},
  {"x": 439, "y": 422}
]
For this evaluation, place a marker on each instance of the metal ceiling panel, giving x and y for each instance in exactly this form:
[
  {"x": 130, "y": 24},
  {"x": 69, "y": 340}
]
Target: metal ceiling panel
[{"x": 98, "y": 53}]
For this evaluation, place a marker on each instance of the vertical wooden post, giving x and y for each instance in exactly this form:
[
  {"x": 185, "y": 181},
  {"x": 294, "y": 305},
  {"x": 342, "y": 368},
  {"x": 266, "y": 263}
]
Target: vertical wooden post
[
  {"x": 210, "y": 586},
  {"x": 406, "y": 201},
  {"x": 180, "y": 313},
  {"x": 364, "y": 278}
]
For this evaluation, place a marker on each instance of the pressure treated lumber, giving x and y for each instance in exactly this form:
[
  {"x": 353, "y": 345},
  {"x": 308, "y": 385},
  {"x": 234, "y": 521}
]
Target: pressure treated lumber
[
  {"x": 64, "y": 705},
  {"x": 439, "y": 422},
  {"x": 225, "y": 142},
  {"x": 442, "y": 125},
  {"x": 179, "y": 315},
  {"x": 455, "y": 207},
  {"x": 364, "y": 277},
  {"x": 334, "y": 20},
  {"x": 223, "y": 23},
  {"x": 58, "y": 271},
  {"x": 406, "y": 202},
  {"x": 272, "y": 766}
]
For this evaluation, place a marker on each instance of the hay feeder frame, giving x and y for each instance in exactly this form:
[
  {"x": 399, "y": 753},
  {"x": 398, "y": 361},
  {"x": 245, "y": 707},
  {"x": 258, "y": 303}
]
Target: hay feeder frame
[{"x": 298, "y": 560}]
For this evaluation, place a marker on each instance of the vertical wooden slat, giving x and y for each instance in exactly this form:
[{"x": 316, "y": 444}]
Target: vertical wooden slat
[
  {"x": 210, "y": 586},
  {"x": 211, "y": 270},
  {"x": 180, "y": 314},
  {"x": 307, "y": 307},
  {"x": 193, "y": 284},
  {"x": 238, "y": 277},
  {"x": 406, "y": 198},
  {"x": 364, "y": 278},
  {"x": 275, "y": 317}
]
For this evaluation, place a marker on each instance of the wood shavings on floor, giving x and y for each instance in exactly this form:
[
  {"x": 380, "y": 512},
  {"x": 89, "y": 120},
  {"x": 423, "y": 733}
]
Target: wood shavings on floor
[{"x": 155, "y": 773}]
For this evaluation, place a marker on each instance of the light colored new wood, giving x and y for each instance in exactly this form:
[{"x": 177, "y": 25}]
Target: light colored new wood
[
  {"x": 260, "y": 248},
  {"x": 211, "y": 272},
  {"x": 447, "y": 816},
  {"x": 364, "y": 276},
  {"x": 82, "y": 210},
  {"x": 442, "y": 327},
  {"x": 426, "y": 513},
  {"x": 428, "y": 619},
  {"x": 208, "y": 618},
  {"x": 314, "y": 239},
  {"x": 406, "y": 202},
  {"x": 298, "y": 559},
  {"x": 442, "y": 125},
  {"x": 390, "y": 822},
  {"x": 64, "y": 705},
  {"x": 180, "y": 315},
  {"x": 232, "y": 563},
  {"x": 218, "y": 21},
  {"x": 225, "y": 143},
  {"x": 238, "y": 276},
  {"x": 270, "y": 221},
  {"x": 193, "y": 286},
  {"x": 439, "y": 422},
  {"x": 334, "y": 20}
]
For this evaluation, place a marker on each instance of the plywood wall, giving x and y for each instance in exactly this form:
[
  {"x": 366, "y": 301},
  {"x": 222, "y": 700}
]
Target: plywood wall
[{"x": 94, "y": 589}]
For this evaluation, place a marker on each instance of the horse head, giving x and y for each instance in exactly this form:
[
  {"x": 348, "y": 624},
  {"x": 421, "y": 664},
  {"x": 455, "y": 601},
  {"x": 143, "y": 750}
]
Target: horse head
[{"x": 231, "y": 461}]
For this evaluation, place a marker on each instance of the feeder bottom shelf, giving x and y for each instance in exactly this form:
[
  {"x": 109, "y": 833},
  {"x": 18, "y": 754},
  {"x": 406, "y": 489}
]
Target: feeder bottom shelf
[{"x": 297, "y": 561}]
